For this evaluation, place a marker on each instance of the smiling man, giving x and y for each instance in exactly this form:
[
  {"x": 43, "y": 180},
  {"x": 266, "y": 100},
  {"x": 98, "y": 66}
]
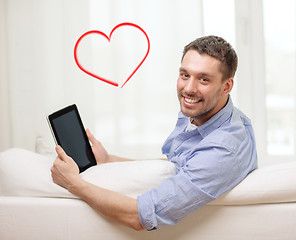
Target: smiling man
[
  {"x": 204, "y": 83},
  {"x": 212, "y": 146}
]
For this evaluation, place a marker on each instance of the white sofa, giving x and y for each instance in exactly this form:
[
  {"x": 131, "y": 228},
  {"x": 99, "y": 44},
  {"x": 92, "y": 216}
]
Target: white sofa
[{"x": 263, "y": 206}]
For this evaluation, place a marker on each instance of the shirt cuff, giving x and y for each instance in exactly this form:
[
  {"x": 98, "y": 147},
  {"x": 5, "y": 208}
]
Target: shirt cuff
[{"x": 146, "y": 211}]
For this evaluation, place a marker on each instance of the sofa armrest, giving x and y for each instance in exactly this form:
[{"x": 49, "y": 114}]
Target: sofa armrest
[{"x": 271, "y": 184}]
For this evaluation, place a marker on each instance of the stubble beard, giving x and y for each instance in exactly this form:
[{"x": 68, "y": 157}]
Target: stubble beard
[{"x": 204, "y": 111}]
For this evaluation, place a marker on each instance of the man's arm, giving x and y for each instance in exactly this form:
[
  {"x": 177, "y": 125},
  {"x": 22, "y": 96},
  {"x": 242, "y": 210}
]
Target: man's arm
[
  {"x": 101, "y": 154},
  {"x": 113, "y": 205}
]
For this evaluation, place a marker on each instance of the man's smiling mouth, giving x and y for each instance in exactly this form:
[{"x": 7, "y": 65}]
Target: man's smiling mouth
[{"x": 191, "y": 100}]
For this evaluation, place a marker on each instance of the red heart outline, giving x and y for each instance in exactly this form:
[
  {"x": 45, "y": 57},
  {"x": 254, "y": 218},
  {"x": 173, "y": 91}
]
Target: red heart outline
[{"x": 109, "y": 39}]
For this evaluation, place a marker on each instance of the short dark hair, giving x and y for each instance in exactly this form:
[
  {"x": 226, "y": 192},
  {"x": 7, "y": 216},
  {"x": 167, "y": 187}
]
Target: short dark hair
[{"x": 218, "y": 48}]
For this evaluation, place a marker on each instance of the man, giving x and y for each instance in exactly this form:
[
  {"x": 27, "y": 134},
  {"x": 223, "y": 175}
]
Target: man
[{"x": 212, "y": 146}]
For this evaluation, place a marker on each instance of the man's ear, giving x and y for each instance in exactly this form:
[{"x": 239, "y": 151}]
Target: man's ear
[{"x": 228, "y": 84}]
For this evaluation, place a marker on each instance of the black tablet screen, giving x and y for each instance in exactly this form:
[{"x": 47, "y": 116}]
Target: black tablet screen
[{"x": 70, "y": 134}]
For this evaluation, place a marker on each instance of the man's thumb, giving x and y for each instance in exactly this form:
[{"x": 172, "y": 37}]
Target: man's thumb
[{"x": 61, "y": 153}]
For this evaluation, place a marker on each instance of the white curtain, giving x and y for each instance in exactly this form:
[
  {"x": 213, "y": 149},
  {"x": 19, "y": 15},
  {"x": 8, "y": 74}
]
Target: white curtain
[
  {"x": 5, "y": 125},
  {"x": 38, "y": 74}
]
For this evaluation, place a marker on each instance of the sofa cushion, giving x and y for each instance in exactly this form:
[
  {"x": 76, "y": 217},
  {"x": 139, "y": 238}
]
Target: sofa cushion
[
  {"x": 25, "y": 173},
  {"x": 270, "y": 184}
]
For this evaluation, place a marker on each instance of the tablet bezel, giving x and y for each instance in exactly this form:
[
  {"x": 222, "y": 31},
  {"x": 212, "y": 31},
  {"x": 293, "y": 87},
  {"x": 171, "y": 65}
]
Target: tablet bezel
[{"x": 59, "y": 113}]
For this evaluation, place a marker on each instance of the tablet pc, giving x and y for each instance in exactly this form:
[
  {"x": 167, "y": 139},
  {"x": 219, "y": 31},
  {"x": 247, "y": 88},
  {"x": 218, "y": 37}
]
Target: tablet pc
[{"x": 68, "y": 132}]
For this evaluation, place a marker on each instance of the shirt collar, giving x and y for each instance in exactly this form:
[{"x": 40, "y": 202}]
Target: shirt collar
[{"x": 217, "y": 120}]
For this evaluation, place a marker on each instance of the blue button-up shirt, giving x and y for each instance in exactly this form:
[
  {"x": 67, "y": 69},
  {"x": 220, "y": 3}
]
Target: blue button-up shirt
[{"x": 210, "y": 160}]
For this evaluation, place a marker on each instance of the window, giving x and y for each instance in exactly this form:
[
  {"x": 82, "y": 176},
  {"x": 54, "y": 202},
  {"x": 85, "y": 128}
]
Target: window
[
  {"x": 265, "y": 42},
  {"x": 279, "y": 37}
]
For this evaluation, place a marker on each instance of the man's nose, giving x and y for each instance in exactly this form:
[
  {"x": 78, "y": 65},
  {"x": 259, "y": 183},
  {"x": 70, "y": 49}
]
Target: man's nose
[{"x": 191, "y": 86}]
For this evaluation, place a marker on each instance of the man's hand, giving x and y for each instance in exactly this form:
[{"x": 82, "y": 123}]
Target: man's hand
[
  {"x": 115, "y": 206},
  {"x": 99, "y": 151},
  {"x": 64, "y": 171}
]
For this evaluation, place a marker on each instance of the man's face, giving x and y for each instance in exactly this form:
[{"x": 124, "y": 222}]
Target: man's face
[{"x": 200, "y": 89}]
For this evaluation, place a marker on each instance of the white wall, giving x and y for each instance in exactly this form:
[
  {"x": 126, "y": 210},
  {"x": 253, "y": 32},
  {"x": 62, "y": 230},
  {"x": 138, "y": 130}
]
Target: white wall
[{"x": 43, "y": 76}]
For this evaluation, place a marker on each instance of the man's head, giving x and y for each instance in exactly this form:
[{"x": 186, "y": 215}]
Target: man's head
[
  {"x": 205, "y": 77},
  {"x": 218, "y": 48}
]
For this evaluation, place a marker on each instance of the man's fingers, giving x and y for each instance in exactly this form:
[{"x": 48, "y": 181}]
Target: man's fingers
[
  {"x": 61, "y": 153},
  {"x": 91, "y": 137},
  {"x": 56, "y": 165}
]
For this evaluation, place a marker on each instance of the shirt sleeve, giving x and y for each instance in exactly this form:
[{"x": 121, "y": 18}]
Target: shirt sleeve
[{"x": 207, "y": 174}]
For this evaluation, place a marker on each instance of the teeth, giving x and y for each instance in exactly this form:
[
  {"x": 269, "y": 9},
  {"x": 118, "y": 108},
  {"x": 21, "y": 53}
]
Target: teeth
[{"x": 191, "y": 100}]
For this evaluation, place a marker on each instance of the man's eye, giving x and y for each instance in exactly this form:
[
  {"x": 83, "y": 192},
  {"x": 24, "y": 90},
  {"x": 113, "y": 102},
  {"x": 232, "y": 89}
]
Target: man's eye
[
  {"x": 204, "y": 80},
  {"x": 184, "y": 75}
]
